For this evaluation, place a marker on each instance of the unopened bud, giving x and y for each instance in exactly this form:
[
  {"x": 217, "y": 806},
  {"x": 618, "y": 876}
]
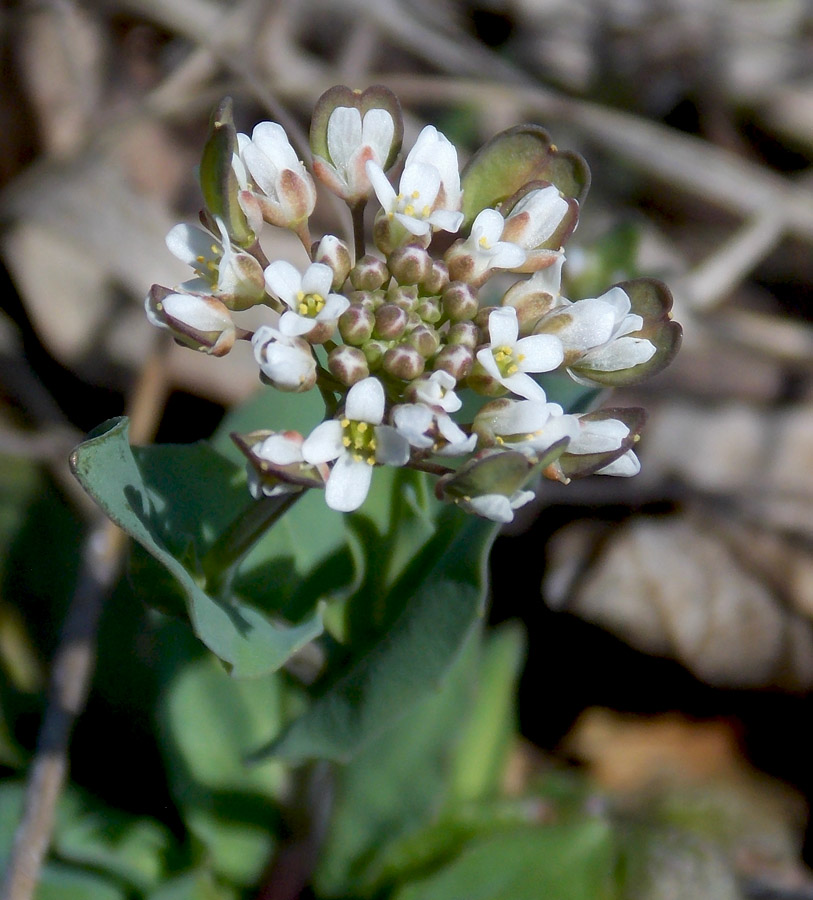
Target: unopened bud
[
  {"x": 424, "y": 339},
  {"x": 482, "y": 383},
  {"x": 460, "y": 302},
  {"x": 336, "y": 254},
  {"x": 374, "y": 353},
  {"x": 466, "y": 334},
  {"x": 456, "y": 360},
  {"x": 429, "y": 310},
  {"x": 367, "y": 299},
  {"x": 405, "y": 296},
  {"x": 403, "y": 362},
  {"x": 369, "y": 273},
  {"x": 356, "y": 324},
  {"x": 410, "y": 264},
  {"x": 390, "y": 322},
  {"x": 389, "y": 234},
  {"x": 481, "y": 319},
  {"x": 197, "y": 320},
  {"x": 437, "y": 279},
  {"x": 348, "y": 364}
]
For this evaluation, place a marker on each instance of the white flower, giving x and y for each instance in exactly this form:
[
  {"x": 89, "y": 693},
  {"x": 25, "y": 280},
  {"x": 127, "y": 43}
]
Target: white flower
[
  {"x": 597, "y": 337},
  {"x": 496, "y": 507},
  {"x": 288, "y": 194},
  {"x": 198, "y": 320},
  {"x": 533, "y": 222},
  {"x": 530, "y": 426},
  {"x": 232, "y": 276},
  {"x": 435, "y": 149},
  {"x": 282, "y": 449},
  {"x": 437, "y": 390},
  {"x": 307, "y": 297},
  {"x": 286, "y": 361},
  {"x": 357, "y": 442},
  {"x": 535, "y": 217},
  {"x": 605, "y": 436},
  {"x": 508, "y": 360},
  {"x": 472, "y": 259},
  {"x": 429, "y": 194},
  {"x": 352, "y": 142},
  {"x": 423, "y": 426}
]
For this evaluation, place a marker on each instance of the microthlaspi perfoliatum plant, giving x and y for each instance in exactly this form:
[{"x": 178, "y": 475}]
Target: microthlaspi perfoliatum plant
[{"x": 410, "y": 355}]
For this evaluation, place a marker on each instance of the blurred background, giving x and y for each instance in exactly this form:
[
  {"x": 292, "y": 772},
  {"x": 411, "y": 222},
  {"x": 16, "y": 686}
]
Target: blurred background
[{"x": 670, "y": 617}]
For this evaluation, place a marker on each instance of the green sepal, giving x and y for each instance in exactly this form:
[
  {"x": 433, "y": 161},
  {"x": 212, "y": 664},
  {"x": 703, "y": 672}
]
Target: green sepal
[
  {"x": 375, "y": 97},
  {"x": 652, "y": 300},
  {"x": 513, "y": 158},
  {"x": 218, "y": 181}
]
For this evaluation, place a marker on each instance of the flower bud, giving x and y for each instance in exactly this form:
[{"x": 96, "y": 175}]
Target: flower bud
[
  {"x": 424, "y": 339},
  {"x": 481, "y": 382},
  {"x": 366, "y": 299},
  {"x": 348, "y": 364},
  {"x": 336, "y": 254},
  {"x": 481, "y": 319},
  {"x": 369, "y": 273},
  {"x": 405, "y": 296},
  {"x": 356, "y": 324},
  {"x": 374, "y": 352},
  {"x": 390, "y": 322},
  {"x": 456, "y": 360},
  {"x": 389, "y": 234},
  {"x": 403, "y": 362},
  {"x": 197, "y": 320},
  {"x": 286, "y": 362},
  {"x": 459, "y": 302},
  {"x": 429, "y": 310},
  {"x": 466, "y": 334},
  {"x": 437, "y": 279},
  {"x": 410, "y": 264}
]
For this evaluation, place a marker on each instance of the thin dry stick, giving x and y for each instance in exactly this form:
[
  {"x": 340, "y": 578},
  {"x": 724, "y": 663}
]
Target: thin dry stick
[{"x": 74, "y": 661}]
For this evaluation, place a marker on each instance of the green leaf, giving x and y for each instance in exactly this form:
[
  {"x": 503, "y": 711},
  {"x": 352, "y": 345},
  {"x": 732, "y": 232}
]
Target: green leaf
[
  {"x": 170, "y": 513},
  {"x": 486, "y": 737},
  {"x": 197, "y": 885},
  {"x": 443, "y": 597},
  {"x": 210, "y": 723},
  {"x": 565, "y": 862},
  {"x": 396, "y": 783},
  {"x": 59, "y": 882},
  {"x": 133, "y": 850},
  {"x": 513, "y": 158}
]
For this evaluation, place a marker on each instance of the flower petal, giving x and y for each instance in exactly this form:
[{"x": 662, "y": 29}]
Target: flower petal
[
  {"x": 541, "y": 352},
  {"x": 503, "y": 326},
  {"x": 317, "y": 279},
  {"x": 622, "y": 353},
  {"x": 392, "y": 448},
  {"x": 348, "y": 484},
  {"x": 381, "y": 185},
  {"x": 378, "y": 131},
  {"x": 343, "y": 135},
  {"x": 284, "y": 281},
  {"x": 524, "y": 386},
  {"x": 365, "y": 401},
  {"x": 324, "y": 443}
]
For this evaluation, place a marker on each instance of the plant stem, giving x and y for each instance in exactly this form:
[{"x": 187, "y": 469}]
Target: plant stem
[
  {"x": 220, "y": 561},
  {"x": 357, "y": 212}
]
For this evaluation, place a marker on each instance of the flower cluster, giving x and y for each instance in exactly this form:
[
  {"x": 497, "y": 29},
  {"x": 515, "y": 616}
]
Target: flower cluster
[{"x": 393, "y": 335}]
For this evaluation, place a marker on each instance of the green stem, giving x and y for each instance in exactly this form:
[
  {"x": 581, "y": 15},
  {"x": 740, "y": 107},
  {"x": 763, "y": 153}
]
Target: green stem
[
  {"x": 357, "y": 213},
  {"x": 220, "y": 562}
]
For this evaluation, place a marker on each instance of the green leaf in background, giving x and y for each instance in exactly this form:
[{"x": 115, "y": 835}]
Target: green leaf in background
[
  {"x": 241, "y": 636},
  {"x": 395, "y": 783},
  {"x": 486, "y": 738},
  {"x": 555, "y": 862},
  {"x": 197, "y": 885},
  {"x": 210, "y": 722},
  {"x": 411, "y": 659}
]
